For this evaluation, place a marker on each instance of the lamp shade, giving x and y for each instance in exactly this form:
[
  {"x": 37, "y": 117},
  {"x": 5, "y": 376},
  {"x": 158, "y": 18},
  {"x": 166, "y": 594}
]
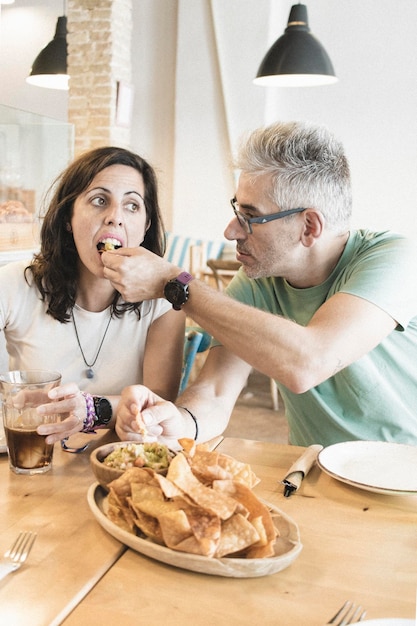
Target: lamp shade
[
  {"x": 49, "y": 69},
  {"x": 297, "y": 58}
]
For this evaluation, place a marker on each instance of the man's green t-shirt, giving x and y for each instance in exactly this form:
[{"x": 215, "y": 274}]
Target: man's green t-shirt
[{"x": 375, "y": 398}]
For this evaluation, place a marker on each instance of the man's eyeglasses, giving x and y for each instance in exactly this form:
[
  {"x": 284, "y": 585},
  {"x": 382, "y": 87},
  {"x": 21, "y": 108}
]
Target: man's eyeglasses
[{"x": 246, "y": 222}]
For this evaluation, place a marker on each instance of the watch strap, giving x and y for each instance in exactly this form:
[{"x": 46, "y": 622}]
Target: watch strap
[
  {"x": 184, "y": 278},
  {"x": 95, "y": 418},
  {"x": 90, "y": 418},
  {"x": 176, "y": 290}
]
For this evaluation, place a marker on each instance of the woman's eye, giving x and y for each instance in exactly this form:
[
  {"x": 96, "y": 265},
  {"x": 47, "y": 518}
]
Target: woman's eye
[
  {"x": 98, "y": 201},
  {"x": 133, "y": 206}
]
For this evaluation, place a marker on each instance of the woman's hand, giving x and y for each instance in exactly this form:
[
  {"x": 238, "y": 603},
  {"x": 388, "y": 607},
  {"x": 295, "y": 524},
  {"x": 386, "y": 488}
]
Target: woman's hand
[
  {"x": 140, "y": 407},
  {"x": 66, "y": 401}
]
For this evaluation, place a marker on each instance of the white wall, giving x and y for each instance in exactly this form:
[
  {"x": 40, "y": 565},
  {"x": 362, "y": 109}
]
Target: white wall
[
  {"x": 372, "y": 109},
  {"x": 26, "y": 27}
]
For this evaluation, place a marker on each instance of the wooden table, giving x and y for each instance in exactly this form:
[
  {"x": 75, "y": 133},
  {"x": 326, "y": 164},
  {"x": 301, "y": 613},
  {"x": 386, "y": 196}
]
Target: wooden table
[
  {"x": 358, "y": 545},
  {"x": 71, "y": 551}
]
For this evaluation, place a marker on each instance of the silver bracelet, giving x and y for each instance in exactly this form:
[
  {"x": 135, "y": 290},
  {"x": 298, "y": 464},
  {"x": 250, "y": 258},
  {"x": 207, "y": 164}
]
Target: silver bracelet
[{"x": 193, "y": 418}]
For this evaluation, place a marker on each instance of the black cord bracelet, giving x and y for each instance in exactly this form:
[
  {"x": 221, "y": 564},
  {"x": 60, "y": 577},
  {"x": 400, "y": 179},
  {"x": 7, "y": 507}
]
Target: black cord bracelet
[{"x": 194, "y": 419}]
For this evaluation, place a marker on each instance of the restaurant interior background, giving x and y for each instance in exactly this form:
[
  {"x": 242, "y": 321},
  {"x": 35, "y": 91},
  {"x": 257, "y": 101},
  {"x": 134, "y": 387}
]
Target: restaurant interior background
[{"x": 193, "y": 62}]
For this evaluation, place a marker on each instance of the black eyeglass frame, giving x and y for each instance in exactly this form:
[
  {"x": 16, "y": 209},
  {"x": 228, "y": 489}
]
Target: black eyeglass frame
[{"x": 246, "y": 222}]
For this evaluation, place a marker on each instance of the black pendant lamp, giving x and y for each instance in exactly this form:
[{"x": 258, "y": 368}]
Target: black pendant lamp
[
  {"x": 297, "y": 58},
  {"x": 49, "y": 69}
]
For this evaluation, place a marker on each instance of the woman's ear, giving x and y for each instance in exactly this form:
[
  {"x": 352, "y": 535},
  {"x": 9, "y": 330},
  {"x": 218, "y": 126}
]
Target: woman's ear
[
  {"x": 68, "y": 227},
  {"x": 313, "y": 226}
]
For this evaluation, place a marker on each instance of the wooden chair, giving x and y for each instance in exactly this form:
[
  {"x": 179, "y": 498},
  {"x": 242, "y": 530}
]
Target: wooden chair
[
  {"x": 191, "y": 254},
  {"x": 223, "y": 272}
]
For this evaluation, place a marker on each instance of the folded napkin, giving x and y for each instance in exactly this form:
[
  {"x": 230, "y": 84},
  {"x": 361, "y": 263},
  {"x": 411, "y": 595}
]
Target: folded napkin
[{"x": 300, "y": 469}]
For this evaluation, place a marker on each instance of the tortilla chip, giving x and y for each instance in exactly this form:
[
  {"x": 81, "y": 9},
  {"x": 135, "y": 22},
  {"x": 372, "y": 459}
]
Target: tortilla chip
[
  {"x": 217, "y": 503},
  {"x": 261, "y": 530},
  {"x": 188, "y": 445},
  {"x": 142, "y": 430},
  {"x": 242, "y": 472},
  {"x": 122, "y": 486},
  {"x": 168, "y": 488},
  {"x": 118, "y": 515},
  {"x": 193, "y": 546},
  {"x": 237, "y": 533},
  {"x": 261, "y": 552},
  {"x": 156, "y": 508},
  {"x": 205, "y": 465},
  {"x": 175, "y": 527},
  {"x": 149, "y": 526},
  {"x": 204, "y": 525},
  {"x": 248, "y": 499},
  {"x": 146, "y": 491}
]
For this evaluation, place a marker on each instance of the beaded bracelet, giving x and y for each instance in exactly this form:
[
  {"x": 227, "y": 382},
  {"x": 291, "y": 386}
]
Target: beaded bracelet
[
  {"x": 90, "y": 420},
  {"x": 194, "y": 419}
]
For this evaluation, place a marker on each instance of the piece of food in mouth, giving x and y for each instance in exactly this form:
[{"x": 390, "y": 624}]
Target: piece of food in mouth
[{"x": 108, "y": 244}]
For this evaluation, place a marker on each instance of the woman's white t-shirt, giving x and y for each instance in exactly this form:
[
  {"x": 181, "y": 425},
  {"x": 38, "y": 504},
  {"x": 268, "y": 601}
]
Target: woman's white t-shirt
[{"x": 35, "y": 340}]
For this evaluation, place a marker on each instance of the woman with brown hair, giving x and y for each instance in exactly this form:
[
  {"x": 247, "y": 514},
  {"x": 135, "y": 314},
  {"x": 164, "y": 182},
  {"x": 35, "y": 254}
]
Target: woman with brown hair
[{"x": 60, "y": 313}]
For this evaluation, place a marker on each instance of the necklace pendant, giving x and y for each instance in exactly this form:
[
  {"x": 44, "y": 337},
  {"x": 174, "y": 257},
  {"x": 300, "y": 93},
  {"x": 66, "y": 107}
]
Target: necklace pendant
[{"x": 89, "y": 373}]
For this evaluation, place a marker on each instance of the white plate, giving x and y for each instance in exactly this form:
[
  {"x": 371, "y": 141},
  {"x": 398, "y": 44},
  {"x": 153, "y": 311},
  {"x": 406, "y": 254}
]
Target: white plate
[
  {"x": 378, "y": 466},
  {"x": 390, "y": 621},
  {"x": 287, "y": 548}
]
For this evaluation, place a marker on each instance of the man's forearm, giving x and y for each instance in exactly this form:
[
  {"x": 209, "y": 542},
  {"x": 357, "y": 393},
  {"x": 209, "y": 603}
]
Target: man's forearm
[{"x": 269, "y": 343}]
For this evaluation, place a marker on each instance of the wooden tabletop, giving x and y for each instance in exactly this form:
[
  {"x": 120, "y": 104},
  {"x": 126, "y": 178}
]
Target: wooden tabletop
[
  {"x": 71, "y": 551},
  {"x": 357, "y": 545}
]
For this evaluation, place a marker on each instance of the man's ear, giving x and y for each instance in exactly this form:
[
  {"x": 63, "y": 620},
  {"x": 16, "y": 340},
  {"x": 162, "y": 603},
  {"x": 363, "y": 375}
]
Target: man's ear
[{"x": 313, "y": 227}]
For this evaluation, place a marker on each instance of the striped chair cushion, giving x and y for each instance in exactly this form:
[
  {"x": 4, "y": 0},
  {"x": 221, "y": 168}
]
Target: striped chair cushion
[{"x": 178, "y": 250}]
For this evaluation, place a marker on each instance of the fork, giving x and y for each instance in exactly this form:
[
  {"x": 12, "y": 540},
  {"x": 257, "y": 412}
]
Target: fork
[
  {"x": 348, "y": 614},
  {"x": 17, "y": 554}
]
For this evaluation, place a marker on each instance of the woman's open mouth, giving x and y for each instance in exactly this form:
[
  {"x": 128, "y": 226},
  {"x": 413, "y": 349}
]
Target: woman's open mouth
[{"x": 108, "y": 244}]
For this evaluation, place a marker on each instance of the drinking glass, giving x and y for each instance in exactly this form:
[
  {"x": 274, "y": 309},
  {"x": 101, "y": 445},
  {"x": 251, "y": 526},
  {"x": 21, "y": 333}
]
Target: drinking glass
[{"x": 22, "y": 392}]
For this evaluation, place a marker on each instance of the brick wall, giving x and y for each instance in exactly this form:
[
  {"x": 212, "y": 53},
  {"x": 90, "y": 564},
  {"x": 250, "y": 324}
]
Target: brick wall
[{"x": 99, "y": 60}]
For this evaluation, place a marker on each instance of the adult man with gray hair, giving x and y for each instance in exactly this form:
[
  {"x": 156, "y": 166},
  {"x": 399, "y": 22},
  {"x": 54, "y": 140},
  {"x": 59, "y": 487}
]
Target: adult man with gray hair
[{"x": 329, "y": 312}]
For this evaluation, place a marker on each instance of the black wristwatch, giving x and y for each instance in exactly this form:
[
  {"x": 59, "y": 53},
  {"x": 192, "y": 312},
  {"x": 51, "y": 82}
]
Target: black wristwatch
[
  {"x": 176, "y": 290},
  {"x": 103, "y": 410}
]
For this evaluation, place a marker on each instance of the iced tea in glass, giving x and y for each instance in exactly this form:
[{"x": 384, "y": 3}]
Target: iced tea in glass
[{"x": 22, "y": 392}]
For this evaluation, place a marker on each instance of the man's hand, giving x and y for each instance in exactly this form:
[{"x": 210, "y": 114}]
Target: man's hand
[{"x": 137, "y": 273}]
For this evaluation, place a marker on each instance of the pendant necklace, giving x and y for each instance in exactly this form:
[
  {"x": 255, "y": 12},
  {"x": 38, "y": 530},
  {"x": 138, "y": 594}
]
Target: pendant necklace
[{"x": 89, "y": 372}]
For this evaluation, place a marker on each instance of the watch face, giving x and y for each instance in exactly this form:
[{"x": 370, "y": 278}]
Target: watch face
[
  {"x": 176, "y": 293},
  {"x": 103, "y": 409}
]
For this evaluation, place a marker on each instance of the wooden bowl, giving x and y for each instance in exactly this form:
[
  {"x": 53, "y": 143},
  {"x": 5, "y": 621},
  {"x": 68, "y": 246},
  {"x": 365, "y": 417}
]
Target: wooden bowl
[{"x": 103, "y": 473}]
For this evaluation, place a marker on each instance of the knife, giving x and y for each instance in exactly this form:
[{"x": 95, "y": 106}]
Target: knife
[{"x": 300, "y": 469}]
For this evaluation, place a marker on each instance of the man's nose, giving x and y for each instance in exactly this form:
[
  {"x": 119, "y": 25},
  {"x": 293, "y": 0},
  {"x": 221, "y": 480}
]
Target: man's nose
[{"x": 234, "y": 230}]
